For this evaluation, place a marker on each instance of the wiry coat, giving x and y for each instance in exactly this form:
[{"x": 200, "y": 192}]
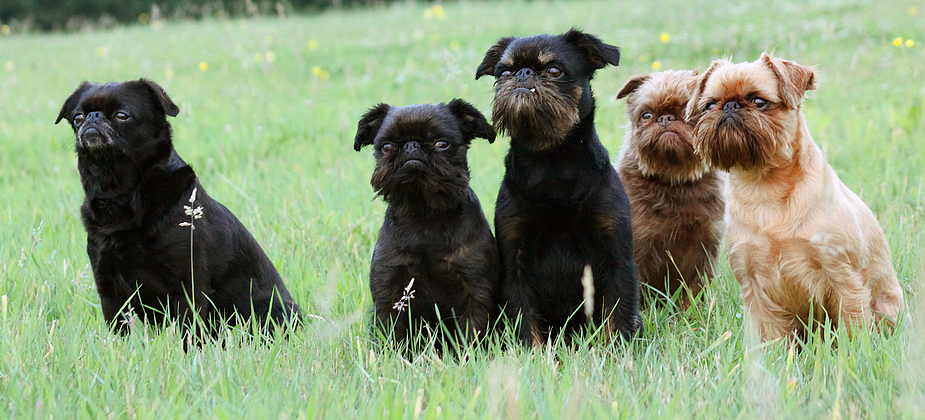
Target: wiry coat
[
  {"x": 677, "y": 200},
  {"x": 800, "y": 242},
  {"x": 561, "y": 205}
]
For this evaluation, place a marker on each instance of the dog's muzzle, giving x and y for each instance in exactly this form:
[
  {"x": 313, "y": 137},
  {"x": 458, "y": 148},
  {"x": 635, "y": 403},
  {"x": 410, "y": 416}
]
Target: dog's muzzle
[{"x": 94, "y": 132}]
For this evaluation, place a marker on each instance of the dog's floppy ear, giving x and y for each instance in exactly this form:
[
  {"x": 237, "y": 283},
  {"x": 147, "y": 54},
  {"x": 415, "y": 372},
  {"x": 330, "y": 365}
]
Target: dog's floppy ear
[
  {"x": 369, "y": 125},
  {"x": 632, "y": 84},
  {"x": 71, "y": 102},
  {"x": 793, "y": 80},
  {"x": 163, "y": 100},
  {"x": 471, "y": 121},
  {"x": 492, "y": 57},
  {"x": 599, "y": 53},
  {"x": 699, "y": 84}
]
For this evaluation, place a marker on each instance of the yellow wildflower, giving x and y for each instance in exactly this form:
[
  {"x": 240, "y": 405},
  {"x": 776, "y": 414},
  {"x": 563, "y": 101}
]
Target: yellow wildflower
[
  {"x": 5, "y": 29},
  {"x": 319, "y": 73},
  {"x": 910, "y": 43},
  {"x": 270, "y": 56},
  {"x": 312, "y": 44},
  {"x": 656, "y": 65},
  {"x": 665, "y": 37},
  {"x": 9, "y": 66},
  {"x": 203, "y": 66},
  {"x": 435, "y": 12},
  {"x": 913, "y": 10},
  {"x": 454, "y": 45},
  {"x": 898, "y": 41},
  {"x": 258, "y": 58},
  {"x": 168, "y": 73}
]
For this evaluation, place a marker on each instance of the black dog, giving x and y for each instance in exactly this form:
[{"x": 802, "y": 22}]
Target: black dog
[
  {"x": 141, "y": 200},
  {"x": 561, "y": 205},
  {"x": 434, "y": 230}
]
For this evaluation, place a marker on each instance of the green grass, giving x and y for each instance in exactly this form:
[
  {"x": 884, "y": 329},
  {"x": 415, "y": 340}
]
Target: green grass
[{"x": 273, "y": 142}]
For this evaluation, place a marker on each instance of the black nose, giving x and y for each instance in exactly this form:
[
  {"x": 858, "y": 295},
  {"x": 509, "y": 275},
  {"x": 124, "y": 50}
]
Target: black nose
[
  {"x": 731, "y": 106},
  {"x": 524, "y": 73},
  {"x": 95, "y": 115},
  {"x": 667, "y": 118},
  {"x": 411, "y": 146}
]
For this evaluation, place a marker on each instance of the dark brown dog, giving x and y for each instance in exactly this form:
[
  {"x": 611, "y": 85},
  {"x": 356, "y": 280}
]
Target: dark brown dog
[
  {"x": 561, "y": 206},
  {"x": 676, "y": 198},
  {"x": 435, "y": 233},
  {"x": 140, "y": 201}
]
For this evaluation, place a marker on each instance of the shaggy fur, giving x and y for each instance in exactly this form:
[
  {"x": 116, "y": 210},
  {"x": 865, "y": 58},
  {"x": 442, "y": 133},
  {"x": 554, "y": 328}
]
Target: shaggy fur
[
  {"x": 434, "y": 229},
  {"x": 561, "y": 206},
  {"x": 800, "y": 241},
  {"x": 136, "y": 189},
  {"x": 676, "y": 199}
]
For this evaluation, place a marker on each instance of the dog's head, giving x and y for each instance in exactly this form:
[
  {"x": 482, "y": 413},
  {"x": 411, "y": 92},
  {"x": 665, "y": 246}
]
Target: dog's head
[
  {"x": 747, "y": 114},
  {"x": 125, "y": 118},
  {"x": 658, "y": 137},
  {"x": 542, "y": 84},
  {"x": 420, "y": 150}
]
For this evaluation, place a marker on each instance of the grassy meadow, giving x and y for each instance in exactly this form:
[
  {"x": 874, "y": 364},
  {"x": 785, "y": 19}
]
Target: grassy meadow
[{"x": 268, "y": 111}]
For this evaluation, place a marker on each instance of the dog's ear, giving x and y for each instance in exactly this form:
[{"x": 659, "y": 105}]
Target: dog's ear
[
  {"x": 699, "y": 84},
  {"x": 492, "y": 56},
  {"x": 163, "y": 100},
  {"x": 369, "y": 126},
  {"x": 599, "y": 53},
  {"x": 793, "y": 80},
  {"x": 71, "y": 102},
  {"x": 632, "y": 84},
  {"x": 471, "y": 121}
]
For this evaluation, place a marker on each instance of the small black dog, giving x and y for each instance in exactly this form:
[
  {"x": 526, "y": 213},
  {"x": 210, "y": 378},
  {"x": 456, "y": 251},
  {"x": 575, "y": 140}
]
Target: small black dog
[
  {"x": 434, "y": 231},
  {"x": 140, "y": 200},
  {"x": 561, "y": 205}
]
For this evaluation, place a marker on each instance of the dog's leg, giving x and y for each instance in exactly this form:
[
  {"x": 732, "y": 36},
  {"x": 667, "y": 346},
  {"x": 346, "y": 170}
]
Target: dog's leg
[
  {"x": 518, "y": 294},
  {"x": 109, "y": 283},
  {"x": 619, "y": 306},
  {"x": 758, "y": 282},
  {"x": 520, "y": 300},
  {"x": 850, "y": 298}
]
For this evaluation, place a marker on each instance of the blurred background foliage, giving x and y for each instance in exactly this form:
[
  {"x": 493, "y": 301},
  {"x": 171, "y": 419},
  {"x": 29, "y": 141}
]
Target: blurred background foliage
[{"x": 75, "y": 15}]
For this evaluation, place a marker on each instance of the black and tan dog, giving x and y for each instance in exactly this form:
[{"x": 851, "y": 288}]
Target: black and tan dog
[
  {"x": 561, "y": 206},
  {"x": 138, "y": 193},
  {"x": 435, "y": 264}
]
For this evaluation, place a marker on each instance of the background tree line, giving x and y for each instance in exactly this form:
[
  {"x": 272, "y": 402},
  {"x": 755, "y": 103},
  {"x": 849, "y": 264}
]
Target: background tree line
[{"x": 71, "y": 15}]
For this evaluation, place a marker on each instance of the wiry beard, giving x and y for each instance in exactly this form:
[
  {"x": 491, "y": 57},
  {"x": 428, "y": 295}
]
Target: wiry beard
[
  {"x": 540, "y": 119},
  {"x": 748, "y": 142},
  {"x": 432, "y": 186},
  {"x": 669, "y": 156}
]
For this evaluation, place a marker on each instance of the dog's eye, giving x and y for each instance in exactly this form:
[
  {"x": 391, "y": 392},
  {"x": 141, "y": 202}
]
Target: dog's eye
[
  {"x": 387, "y": 147},
  {"x": 554, "y": 72},
  {"x": 646, "y": 115},
  {"x": 121, "y": 116},
  {"x": 761, "y": 103},
  {"x": 442, "y": 145},
  {"x": 710, "y": 105},
  {"x": 78, "y": 119}
]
